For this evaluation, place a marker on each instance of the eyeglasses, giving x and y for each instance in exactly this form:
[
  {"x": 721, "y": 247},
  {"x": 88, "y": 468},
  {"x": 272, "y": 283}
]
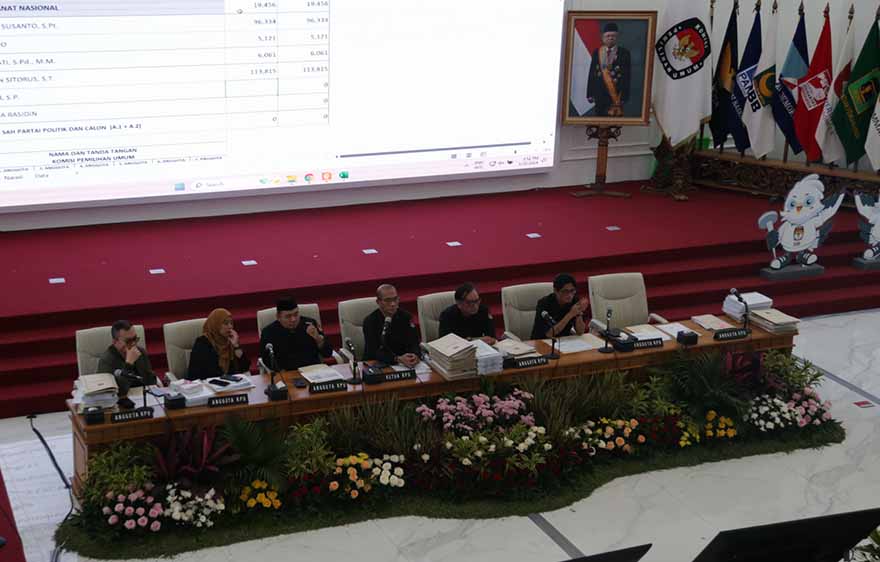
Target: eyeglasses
[
  {"x": 568, "y": 291},
  {"x": 131, "y": 341},
  {"x": 390, "y": 300},
  {"x": 472, "y": 302}
]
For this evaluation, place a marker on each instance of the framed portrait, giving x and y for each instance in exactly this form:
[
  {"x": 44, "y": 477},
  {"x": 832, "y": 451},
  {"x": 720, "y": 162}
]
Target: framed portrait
[{"x": 609, "y": 60}]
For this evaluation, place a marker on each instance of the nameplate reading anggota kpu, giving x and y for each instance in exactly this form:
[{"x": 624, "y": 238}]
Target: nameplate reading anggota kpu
[
  {"x": 131, "y": 415},
  {"x": 329, "y": 386},
  {"x": 731, "y": 334},
  {"x": 231, "y": 400},
  {"x": 376, "y": 378},
  {"x": 648, "y": 343}
]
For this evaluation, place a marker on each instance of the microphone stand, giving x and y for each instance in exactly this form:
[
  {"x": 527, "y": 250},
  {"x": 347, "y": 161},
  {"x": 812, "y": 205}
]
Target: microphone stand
[
  {"x": 606, "y": 333},
  {"x": 353, "y": 365},
  {"x": 273, "y": 391},
  {"x": 553, "y": 338},
  {"x": 139, "y": 379},
  {"x": 746, "y": 319}
]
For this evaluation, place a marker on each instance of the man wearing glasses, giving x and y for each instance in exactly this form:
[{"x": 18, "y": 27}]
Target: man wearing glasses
[
  {"x": 125, "y": 355},
  {"x": 563, "y": 306},
  {"x": 390, "y": 336},
  {"x": 468, "y": 317}
]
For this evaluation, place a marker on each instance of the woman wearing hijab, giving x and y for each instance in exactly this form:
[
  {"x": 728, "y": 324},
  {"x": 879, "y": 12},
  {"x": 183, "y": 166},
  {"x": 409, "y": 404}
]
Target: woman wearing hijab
[{"x": 217, "y": 352}]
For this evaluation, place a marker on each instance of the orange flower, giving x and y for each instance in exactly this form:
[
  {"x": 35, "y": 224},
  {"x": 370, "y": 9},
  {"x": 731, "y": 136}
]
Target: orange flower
[
  {"x": 626, "y": 432},
  {"x": 619, "y": 441},
  {"x": 609, "y": 445},
  {"x": 354, "y": 494},
  {"x": 641, "y": 439},
  {"x": 627, "y": 449},
  {"x": 353, "y": 477},
  {"x": 334, "y": 486},
  {"x": 338, "y": 470},
  {"x": 634, "y": 423},
  {"x": 365, "y": 465},
  {"x": 360, "y": 483}
]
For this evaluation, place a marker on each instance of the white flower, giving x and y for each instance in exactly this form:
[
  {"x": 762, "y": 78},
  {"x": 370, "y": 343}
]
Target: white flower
[
  {"x": 478, "y": 453},
  {"x": 540, "y": 430},
  {"x": 770, "y": 425},
  {"x": 426, "y": 457},
  {"x": 386, "y": 466},
  {"x": 395, "y": 459},
  {"x": 482, "y": 439},
  {"x": 386, "y": 457},
  {"x": 377, "y": 471},
  {"x": 400, "y": 483},
  {"x": 384, "y": 479},
  {"x": 522, "y": 447},
  {"x": 466, "y": 461},
  {"x": 465, "y": 438},
  {"x": 398, "y": 471},
  {"x": 492, "y": 448},
  {"x": 547, "y": 446},
  {"x": 508, "y": 442},
  {"x": 417, "y": 447},
  {"x": 448, "y": 445}
]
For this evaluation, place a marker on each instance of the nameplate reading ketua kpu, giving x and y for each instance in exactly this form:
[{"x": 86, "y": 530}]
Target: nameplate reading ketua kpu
[
  {"x": 231, "y": 400},
  {"x": 131, "y": 415},
  {"x": 376, "y": 378}
]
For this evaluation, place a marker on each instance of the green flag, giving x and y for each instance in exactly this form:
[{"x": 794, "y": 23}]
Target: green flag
[{"x": 852, "y": 116}]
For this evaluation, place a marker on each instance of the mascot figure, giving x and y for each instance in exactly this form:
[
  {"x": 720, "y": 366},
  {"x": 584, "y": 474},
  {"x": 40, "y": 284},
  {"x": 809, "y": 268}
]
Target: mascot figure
[
  {"x": 869, "y": 225},
  {"x": 806, "y": 222}
]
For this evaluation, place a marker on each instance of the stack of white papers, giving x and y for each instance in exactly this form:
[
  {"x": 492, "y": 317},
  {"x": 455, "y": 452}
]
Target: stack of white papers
[
  {"x": 489, "y": 359},
  {"x": 453, "y": 356},
  {"x": 320, "y": 373},
  {"x": 756, "y": 301},
  {"x": 647, "y": 332},
  {"x": 196, "y": 393},
  {"x": 98, "y": 390},
  {"x": 774, "y": 321},
  {"x": 710, "y": 322},
  {"x": 576, "y": 344},
  {"x": 514, "y": 348},
  {"x": 673, "y": 328}
]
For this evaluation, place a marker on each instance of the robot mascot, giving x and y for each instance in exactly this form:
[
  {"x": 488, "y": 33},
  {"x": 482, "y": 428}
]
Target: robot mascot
[{"x": 806, "y": 222}]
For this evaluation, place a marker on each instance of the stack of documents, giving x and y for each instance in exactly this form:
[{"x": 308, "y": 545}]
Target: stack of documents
[
  {"x": 453, "y": 356},
  {"x": 673, "y": 328},
  {"x": 576, "y": 344},
  {"x": 756, "y": 301},
  {"x": 196, "y": 393},
  {"x": 320, "y": 372},
  {"x": 647, "y": 332},
  {"x": 710, "y": 322},
  {"x": 98, "y": 390},
  {"x": 515, "y": 348},
  {"x": 774, "y": 321},
  {"x": 489, "y": 359}
]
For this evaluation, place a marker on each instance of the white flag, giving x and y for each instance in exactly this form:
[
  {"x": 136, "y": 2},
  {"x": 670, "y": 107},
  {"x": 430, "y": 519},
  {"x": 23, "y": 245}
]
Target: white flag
[
  {"x": 683, "y": 73},
  {"x": 826, "y": 135},
  {"x": 872, "y": 143},
  {"x": 758, "y": 110}
]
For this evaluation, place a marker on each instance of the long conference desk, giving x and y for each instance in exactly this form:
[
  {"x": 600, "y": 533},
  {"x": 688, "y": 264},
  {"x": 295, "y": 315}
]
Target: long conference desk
[{"x": 90, "y": 438}]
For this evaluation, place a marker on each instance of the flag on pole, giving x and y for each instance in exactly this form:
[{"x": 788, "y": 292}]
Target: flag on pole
[
  {"x": 812, "y": 92},
  {"x": 872, "y": 144},
  {"x": 826, "y": 136},
  {"x": 758, "y": 112},
  {"x": 587, "y": 38},
  {"x": 852, "y": 115},
  {"x": 785, "y": 91},
  {"x": 725, "y": 119},
  {"x": 683, "y": 77},
  {"x": 744, "y": 85}
]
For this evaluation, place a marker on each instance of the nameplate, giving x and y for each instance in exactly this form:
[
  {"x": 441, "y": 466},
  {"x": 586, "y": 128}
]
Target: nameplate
[
  {"x": 231, "y": 400},
  {"x": 648, "y": 344},
  {"x": 731, "y": 334},
  {"x": 330, "y": 386},
  {"x": 132, "y": 415},
  {"x": 526, "y": 362},
  {"x": 380, "y": 377}
]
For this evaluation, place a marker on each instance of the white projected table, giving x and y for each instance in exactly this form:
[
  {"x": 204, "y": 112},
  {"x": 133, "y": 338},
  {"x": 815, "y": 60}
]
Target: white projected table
[{"x": 152, "y": 83}]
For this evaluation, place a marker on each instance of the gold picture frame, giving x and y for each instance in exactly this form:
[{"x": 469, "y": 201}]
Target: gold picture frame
[{"x": 609, "y": 64}]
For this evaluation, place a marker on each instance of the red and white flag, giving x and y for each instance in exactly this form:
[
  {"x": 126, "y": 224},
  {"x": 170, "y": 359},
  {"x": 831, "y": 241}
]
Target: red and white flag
[
  {"x": 826, "y": 135},
  {"x": 587, "y": 38},
  {"x": 812, "y": 94}
]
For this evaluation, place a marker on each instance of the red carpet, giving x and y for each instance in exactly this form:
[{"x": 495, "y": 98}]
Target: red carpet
[
  {"x": 691, "y": 253},
  {"x": 13, "y": 551}
]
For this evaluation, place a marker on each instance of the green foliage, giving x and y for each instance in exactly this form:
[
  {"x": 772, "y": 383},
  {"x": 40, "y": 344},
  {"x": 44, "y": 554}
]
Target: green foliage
[
  {"x": 790, "y": 372},
  {"x": 115, "y": 469},
  {"x": 869, "y": 552},
  {"x": 192, "y": 457},
  {"x": 700, "y": 382},
  {"x": 381, "y": 427},
  {"x": 651, "y": 398},
  {"x": 307, "y": 451},
  {"x": 344, "y": 433},
  {"x": 261, "y": 453}
]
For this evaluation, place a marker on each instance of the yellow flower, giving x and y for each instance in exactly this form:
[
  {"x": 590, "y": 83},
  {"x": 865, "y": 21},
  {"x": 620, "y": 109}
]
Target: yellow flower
[
  {"x": 603, "y": 420},
  {"x": 620, "y": 424},
  {"x": 353, "y": 477},
  {"x": 339, "y": 462},
  {"x": 267, "y": 503},
  {"x": 731, "y": 433},
  {"x": 626, "y": 432},
  {"x": 709, "y": 426},
  {"x": 367, "y": 487},
  {"x": 272, "y": 495},
  {"x": 256, "y": 484},
  {"x": 711, "y": 415},
  {"x": 354, "y": 494},
  {"x": 709, "y": 433},
  {"x": 353, "y": 460},
  {"x": 362, "y": 455},
  {"x": 334, "y": 486},
  {"x": 276, "y": 504},
  {"x": 634, "y": 423},
  {"x": 609, "y": 445},
  {"x": 251, "y": 502},
  {"x": 246, "y": 490},
  {"x": 360, "y": 483},
  {"x": 243, "y": 497},
  {"x": 261, "y": 497}
]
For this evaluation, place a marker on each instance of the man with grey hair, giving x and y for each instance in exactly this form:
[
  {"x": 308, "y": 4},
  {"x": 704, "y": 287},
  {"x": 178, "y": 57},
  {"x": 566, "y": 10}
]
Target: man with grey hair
[
  {"x": 390, "y": 336},
  {"x": 124, "y": 355}
]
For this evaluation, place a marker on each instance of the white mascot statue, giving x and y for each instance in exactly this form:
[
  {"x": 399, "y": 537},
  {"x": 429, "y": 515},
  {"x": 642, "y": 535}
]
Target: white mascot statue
[
  {"x": 869, "y": 226},
  {"x": 806, "y": 222}
]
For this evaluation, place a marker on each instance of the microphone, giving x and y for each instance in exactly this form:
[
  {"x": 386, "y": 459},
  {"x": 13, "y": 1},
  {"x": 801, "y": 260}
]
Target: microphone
[
  {"x": 740, "y": 298},
  {"x": 552, "y": 323},
  {"x": 546, "y": 316},
  {"x": 385, "y": 327},
  {"x": 355, "y": 376},
  {"x": 270, "y": 348},
  {"x": 612, "y": 332},
  {"x": 349, "y": 345},
  {"x": 273, "y": 366}
]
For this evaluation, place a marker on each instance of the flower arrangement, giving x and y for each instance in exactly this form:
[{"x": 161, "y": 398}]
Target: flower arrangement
[
  {"x": 770, "y": 413},
  {"x": 690, "y": 432},
  {"x": 352, "y": 477},
  {"x": 260, "y": 496},
  {"x": 623, "y": 436},
  {"x": 388, "y": 471},
  {"x": 718, "y": 427},
  {"x": 583, "y": 438},
  {"x": 465, "y": 415},
  {"x": 137, "y": 510},
  {"x": 808, "y": 408},
  {"x": 190, "y": 509}
]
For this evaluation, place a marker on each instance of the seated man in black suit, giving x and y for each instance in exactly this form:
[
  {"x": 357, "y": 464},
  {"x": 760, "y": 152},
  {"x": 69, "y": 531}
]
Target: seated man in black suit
[
  {"x": 468, "y": 317},
  {"x": 390, "y": 335},
  {"x": 296, "y": 340}
]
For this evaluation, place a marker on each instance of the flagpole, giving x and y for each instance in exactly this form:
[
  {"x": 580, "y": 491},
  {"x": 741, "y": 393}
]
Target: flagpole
[
  {"x": 736, "y": 12},
  {"x": 742, "y": 153},
  {"x": 785, "y": 149},
  {"x": 849, "y": 19},
  {"x": 711, "y": 26}
]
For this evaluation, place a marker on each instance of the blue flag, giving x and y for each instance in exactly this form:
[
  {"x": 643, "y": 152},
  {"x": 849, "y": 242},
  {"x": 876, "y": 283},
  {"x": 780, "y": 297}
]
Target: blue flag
[
  {"x": 745, "y": 88},
  {"x": 725, "y": 120},
  {"x": 797, "y": 62}
]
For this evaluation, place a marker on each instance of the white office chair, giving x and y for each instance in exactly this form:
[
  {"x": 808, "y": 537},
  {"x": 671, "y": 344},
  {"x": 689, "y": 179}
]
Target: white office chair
[
  {"x": 179, "y": 340},
  {"x": 351, "y": 321},
  {"x": 519, "y": 303},
  {"x": 625, "y": 295},
  {"x": 430, "y": 307},
  {"x": 268, "y": 315},
  {"x": 91, "y": 344}
]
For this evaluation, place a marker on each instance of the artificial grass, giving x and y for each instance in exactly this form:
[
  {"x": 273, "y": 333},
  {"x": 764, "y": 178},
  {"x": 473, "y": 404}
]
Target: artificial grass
[{"x": 256, "y": 525}]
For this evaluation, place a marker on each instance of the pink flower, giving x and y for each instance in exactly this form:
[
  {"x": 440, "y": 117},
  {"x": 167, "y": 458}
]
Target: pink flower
[
  {"x": 157, "y": 506},
  {"x": 106, "y": 510},
  {"x": 808, "y": 391},
  {"x": 129, "y": 511},
  {"x": 142, "y": 522},
  {"x": 801, "y": 422},
  {"x": 816, "y": 421},
  {"x": 149, "y": 486},
  {"x": 827, "y": 404},
  {"x": 120, "y": 498},
  {"x": 795, "y": 396},
  {"x": 119, "y": 508},
  {"x": 807, "y": 419},
  {"x": 113, "y": 520},
  {"x": 800, "y": 410},
  {"x": 826, "y": 416},
  {"x": 149, "y": 500},
  {"x": 140, "y": 511},
  {"x": 109, "y": 496},
  {"x": 154, "y": 513},
  {"x": 130, "y": 524},
  {"x": 155, "y": 526},
  {"x": 132, "y": 496}
]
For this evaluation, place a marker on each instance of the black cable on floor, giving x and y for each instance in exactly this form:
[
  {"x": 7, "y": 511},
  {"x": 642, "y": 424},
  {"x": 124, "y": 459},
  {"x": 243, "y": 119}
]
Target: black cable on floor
[{"x": 56, "y": 553}]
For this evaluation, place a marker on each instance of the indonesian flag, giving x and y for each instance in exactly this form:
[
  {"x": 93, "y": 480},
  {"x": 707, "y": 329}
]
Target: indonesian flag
[
  {"x": 872, "y": 143},
  {"x": 587, "y": 38},
  {"x": 826, "y": 135},
  {"x": 812, "y": 93}
]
